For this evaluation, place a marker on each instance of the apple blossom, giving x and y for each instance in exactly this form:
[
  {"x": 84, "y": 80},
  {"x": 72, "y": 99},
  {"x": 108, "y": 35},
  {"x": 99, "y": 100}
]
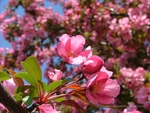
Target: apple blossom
[
  {"x": 101, "y": 89},
  {"x": 117, "y": 30},
  {"x": 69, "y": 48}
]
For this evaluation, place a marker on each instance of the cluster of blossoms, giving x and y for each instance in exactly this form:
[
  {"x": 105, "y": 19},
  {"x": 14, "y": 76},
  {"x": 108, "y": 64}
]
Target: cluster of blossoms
[
  {"x": 116, "y": 30},
  {"x": 142, "y": 96},
  {"x": 133, "y": 79},
  {"x": 100, "y": 89}
]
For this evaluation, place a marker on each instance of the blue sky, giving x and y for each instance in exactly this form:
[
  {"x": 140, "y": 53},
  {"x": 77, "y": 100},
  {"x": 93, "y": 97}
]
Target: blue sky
[
  {"x": 20, "y": 11},
  {"x": 3, "y": 42}
]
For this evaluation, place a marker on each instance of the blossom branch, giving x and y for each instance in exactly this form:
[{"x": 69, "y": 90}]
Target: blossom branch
[{"x": 9, "y": 102}]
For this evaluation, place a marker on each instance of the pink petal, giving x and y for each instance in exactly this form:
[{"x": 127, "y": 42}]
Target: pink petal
[
  {"x": 77, "y": 60},
  {"x": 111, "y": 88},
  {"x": 68, "y": 46},
  {"x": 47, "y": 108},
  {"x": 103, "y": 69},
  {"x": 64, "y": 38},
  {"x": 77, "y": 43},
  {"x": 102, "y": 76},
  {"x": 61, "y": 51},
  {"x": 104, "y": 99}
]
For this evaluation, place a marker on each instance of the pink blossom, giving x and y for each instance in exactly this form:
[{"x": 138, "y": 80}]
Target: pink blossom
[
  {"x": 70, "y": 48},
  {"x": 101, "y": 89},
  {"x": 13, "y": 2},
  {"x": 147, "y": 104},
  {"x": 10, "y": 85},
  {"x": 2, "y": 107},
  {"x": 131, "y": 109},
  {"x": 92, "y": 65},
  {"x": 143, "y": 96},
  {"x": 55, "y": 74},
  {"x": 47, "y": 108},
  {"x": 103, "y": 69},
  {"x": 133, "y": 78}
]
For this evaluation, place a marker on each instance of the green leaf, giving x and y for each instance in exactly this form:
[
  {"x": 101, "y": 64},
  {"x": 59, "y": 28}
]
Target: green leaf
[
  {"x": 43, "y": 85},
  {"x": 59, "y": 99},
  {"x": 54, "y": 85},
  {"x": 18, "y": 97},
  {"x": 32, "y": 67},
  {"x": 21, "y": 89},
  {"x": 4, "y": 76},
  {"x": 30, "y": 90},
  {"x": 27, "y": 77},
  {"x": 148, "y": 75},
  {"x": 33, "y": 93},
  {"x": 68, "y": 80},
  {"x": 27, "y": 100}
]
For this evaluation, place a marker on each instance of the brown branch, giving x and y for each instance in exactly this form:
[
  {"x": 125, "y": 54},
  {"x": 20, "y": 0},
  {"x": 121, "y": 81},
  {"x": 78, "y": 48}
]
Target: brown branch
[{"x": 9, "y": 102}]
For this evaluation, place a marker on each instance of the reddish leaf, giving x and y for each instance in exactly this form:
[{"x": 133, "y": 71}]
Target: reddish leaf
[
  {"x": 74, "y": 86},
  {"x": 18, "y": 81},
  {"x": 80, "y": 94},
  {"x": 1, "y": 67}
]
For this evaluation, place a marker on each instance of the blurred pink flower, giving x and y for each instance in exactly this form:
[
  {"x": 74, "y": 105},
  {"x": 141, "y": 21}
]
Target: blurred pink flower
[
  {"x": 47, "y": 108},
  {"x": 143, "y": 96},
  {"x": 133, "y": 78},
  {"x": 10, "y": 85},
  {"x": 2, "y": 108},
  {"x": 55, "y": 74},
  {"x": 70, "y": 48},
  {"x": 101, "y": 89},
  {"x": 131, "y": 109},
  {"x": 92, "y": 65}
]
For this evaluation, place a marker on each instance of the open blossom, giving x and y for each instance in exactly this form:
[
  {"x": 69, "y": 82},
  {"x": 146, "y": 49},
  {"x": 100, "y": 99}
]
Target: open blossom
[
  {"x": 101, "y": 89},
  {"x": 69, "y": 48},
  {"x": 92, "y": 65},
  {"x": 47, "y": 108}
]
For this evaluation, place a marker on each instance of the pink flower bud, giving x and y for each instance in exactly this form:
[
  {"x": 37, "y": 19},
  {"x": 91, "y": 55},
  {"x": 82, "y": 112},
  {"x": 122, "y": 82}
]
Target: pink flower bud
[
  {"x": 92, "y": 65},
  {"x": 55, "y": 74}
]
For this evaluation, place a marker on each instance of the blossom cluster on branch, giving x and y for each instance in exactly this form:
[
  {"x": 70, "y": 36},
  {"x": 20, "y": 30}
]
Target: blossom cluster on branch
[{"x": 78, "y": 47}]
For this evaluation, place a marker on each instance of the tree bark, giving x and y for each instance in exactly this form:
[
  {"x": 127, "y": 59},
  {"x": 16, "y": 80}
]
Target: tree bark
[{"x": 9, "y": 102}]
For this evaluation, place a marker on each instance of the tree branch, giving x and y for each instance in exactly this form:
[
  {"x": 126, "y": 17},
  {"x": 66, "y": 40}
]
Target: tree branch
[{"x": 9, "y": 102}]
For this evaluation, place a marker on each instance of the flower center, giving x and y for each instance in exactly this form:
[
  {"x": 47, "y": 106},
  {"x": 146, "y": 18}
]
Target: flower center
[
  {"x": 71, "y": 54},
  {"x": 95, "y": 88}
]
